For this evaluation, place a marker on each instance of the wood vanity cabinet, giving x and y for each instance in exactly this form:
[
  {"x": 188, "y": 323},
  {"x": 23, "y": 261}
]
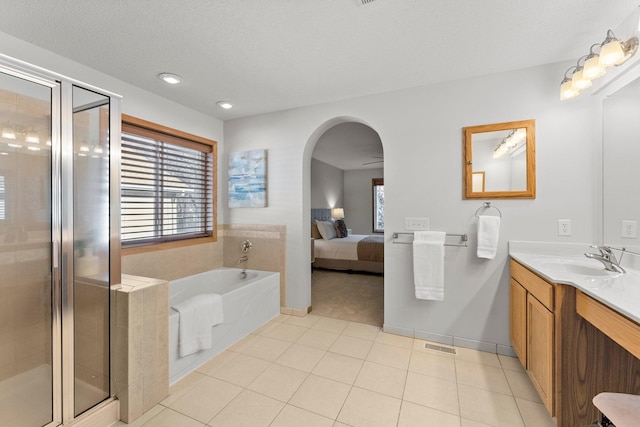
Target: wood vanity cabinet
[
  {"x": 532, "y": 329},
  {"x": 572, "y": 346}
]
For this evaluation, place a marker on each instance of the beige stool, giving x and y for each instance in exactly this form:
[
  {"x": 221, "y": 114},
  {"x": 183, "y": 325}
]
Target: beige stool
[{"x": 623, "y": 410}]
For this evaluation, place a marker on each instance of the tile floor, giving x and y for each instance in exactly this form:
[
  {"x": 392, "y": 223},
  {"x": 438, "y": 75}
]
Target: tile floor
[{"x": 316, "y": 371}]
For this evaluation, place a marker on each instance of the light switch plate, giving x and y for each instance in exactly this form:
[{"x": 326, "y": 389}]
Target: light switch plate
[{"x": 416, "y": 223}]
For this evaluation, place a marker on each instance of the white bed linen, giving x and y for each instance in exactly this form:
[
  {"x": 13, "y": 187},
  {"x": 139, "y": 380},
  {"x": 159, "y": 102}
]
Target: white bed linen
[{"x": 343, "y": 248}]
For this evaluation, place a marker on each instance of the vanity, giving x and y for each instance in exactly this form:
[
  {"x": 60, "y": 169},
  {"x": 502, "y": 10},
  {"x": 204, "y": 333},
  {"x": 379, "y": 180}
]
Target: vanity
[{"x": 574, "y": 326}]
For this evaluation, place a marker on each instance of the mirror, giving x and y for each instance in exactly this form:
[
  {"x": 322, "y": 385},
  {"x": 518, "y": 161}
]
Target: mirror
[
  {"x": 621, "y": 174},
  {"x": 499, "y": 160}
]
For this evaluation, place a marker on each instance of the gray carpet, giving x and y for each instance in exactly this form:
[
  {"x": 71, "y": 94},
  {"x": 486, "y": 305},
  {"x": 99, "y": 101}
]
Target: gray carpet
[{"x": 355, "y": 297}]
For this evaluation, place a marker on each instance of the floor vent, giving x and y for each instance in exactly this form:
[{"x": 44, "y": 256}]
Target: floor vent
[{"x": 439, "y": 348}]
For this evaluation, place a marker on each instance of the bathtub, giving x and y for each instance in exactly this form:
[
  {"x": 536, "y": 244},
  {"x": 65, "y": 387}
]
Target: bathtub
[{"x": 248, "y": 303}]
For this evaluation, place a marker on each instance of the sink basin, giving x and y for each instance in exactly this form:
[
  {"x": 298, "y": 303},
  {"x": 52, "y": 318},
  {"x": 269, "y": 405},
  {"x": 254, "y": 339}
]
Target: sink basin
[{"x": 575, "y": 267}]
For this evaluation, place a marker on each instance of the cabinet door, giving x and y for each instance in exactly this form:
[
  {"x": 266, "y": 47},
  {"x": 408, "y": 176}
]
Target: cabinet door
[
  {"x": 540, "y": 350},
  {"x": 518, "y": 318}
]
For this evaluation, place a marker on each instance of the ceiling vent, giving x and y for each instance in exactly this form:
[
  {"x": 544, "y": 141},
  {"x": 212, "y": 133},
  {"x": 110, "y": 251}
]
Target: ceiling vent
[{"x": 363, "y": 2}]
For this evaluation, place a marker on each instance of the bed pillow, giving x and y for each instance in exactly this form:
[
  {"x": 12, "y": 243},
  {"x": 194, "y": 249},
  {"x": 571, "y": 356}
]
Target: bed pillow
[
  {"x": 326, "y": 229},
  {"x": 315, "y": 233},
  {"x": 341, "y": 228}
]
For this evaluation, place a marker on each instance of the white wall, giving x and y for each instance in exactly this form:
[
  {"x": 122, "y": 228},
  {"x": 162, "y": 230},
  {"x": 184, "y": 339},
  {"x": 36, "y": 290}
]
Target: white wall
[
  {"x": 358, "y": 204},
  {"x": 327, "y": 185},
  {"x": 420, "y": 129}
]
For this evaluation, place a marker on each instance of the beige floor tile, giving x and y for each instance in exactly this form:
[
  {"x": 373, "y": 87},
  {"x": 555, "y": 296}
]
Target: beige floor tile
[
  {"x": 475, "y": 356},
  {"x": 290, "y": 416},
  {"x": 382, "y": 379},
  {"x": 509, "y": 363},
  {"x": 494, "y": 409},
  {"x": 338, "y": 367},
  {"x": 433, "y": 364},
  {"x": 282, "y": 318},
  {"x": 534, "y": 414},
  {"x": 318, "y": 339},
  {"x": 267, "y": 327},
  {"x": 351, "y": 346},
  {"x": 521, "y": 386},
  {"x": 278, "y": 382},
  {"x": 170, "y": 418},
  {"x": 244, "y": 343},
  {"x": 390, "y": 355},
  {"x": 472, "y": 423},
  {"x": 205, "y": 399},
  {"x": 482, "y": 376},
  {"x": 412, "y": 415},
  {"x": 248, "y": 409},
  {"x": 397, "y": 340},
  {"x": 364, "y": 408},
  {"x": 321, "y": 396},
  {"x": 432, "y": 392},
  {"x": 339, "y": 424},
  {"x": 181, "y": 387},
  {"x": 241, "y": 370},
  {"x": 362, "y": 331},
  {"x": 286, "y": 332},
  {"x": 301, "y": 357},
  {"x": 140, "y": 421},
  {"x": 306, "y": 321},
  {"x": 331, "y": 325},
  {"x": 264, "y": 348},
  {"x": 215, "y": 363}
]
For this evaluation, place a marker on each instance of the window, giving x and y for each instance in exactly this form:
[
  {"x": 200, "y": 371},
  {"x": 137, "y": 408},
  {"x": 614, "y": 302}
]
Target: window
[
  {"x": 378, "y": 205},
  {"x": 168, "y": 186}
]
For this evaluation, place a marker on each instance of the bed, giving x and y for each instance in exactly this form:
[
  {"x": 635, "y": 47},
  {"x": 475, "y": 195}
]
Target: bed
[{"x": 355, "y": 252}]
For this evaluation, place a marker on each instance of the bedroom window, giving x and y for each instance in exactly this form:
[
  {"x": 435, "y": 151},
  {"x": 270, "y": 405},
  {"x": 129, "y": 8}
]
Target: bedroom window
[
  {"x": 378, "y": 205},
  {"x": 168, "y": 186}
]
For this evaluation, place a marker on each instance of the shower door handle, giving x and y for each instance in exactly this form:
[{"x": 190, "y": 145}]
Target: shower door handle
[{"x": 55, "y": 254}]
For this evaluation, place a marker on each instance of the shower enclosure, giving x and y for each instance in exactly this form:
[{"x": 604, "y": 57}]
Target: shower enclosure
[{"x": 59, "y": 244}]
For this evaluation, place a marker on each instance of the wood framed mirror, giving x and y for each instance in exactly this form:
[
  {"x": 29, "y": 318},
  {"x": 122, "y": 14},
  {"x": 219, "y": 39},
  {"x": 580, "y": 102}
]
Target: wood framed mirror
[{"x": 499, "y": 160}]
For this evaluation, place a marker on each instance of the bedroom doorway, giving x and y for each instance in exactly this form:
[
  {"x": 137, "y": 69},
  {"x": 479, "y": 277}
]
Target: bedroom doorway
[{"x": 347, "y": 280}]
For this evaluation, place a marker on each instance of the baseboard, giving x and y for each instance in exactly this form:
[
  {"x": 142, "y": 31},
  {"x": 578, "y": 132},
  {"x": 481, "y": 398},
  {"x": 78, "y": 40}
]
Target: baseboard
[{"x": 300, "y": 312}]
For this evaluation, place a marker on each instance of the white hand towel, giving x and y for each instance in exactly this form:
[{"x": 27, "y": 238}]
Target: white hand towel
[
  {"x": 197, "y": 316},
  {"x": 428, "y": 264},
  {"x": 488, "y": 232}
]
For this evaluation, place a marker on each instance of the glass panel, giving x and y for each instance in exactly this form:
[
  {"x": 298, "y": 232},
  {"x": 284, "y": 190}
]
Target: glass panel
[
  {"x": 91, "y": 247},
  {"x": 25, "y": 253},
  {"x": 378, "y": 206}
]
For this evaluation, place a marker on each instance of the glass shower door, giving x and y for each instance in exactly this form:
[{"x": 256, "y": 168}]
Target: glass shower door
[{"x": 27, "y": 309}]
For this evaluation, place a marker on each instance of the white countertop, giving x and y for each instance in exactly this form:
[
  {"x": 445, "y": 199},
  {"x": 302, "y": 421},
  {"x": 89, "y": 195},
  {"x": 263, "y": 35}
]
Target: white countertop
[{"x": 566, "y": 264}]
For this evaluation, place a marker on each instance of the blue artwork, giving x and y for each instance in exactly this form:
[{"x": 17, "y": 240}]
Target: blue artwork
[{"x": 248, "y": 179}]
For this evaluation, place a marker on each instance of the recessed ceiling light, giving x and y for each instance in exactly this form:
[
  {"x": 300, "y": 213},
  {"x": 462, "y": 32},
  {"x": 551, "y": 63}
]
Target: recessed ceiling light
[
  {"x": 224, "y": 104},
  {"x": 170, "y": 78}
]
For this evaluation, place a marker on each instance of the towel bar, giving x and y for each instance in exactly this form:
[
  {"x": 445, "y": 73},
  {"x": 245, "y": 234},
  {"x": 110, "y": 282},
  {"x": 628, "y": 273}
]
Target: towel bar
[
  {"x": 487, "y": 205},
  {"x": 464, "y": 239}
]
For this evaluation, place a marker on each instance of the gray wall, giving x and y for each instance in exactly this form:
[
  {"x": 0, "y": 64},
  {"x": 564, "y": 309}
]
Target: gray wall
[
  {"x": 358, "y": 204},
  {"x": 420, "y": 129},
  {"x": 327, "y": 185}
]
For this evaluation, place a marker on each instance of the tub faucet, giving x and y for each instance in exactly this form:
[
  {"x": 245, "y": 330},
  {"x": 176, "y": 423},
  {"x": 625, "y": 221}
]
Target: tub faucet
[
  {"x": 607, "y": 258},
  {"x": 242, "y": 259}
]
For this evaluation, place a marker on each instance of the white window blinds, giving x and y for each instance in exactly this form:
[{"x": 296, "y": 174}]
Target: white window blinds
[{"x": 167, "y": 188}]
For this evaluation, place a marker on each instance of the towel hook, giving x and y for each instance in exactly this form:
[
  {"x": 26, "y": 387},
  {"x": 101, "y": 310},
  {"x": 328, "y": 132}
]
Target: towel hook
[{"x": 487, "y": 205}]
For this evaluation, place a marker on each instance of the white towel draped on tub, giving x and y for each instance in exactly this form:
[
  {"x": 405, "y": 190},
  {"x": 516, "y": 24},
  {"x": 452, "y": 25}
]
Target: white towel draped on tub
[
  {"x": 488, "y": 232},
  {"x": 197, "y": 316},
  {"x": 428, "y": 264}
]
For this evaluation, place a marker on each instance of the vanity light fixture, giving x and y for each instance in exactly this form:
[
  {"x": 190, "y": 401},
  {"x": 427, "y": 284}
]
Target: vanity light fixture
[
  {"x": 510, "y": 145},
  {"x": 224, "y": 105},
  {"x": 8, "y": 132},
  {"x": 613, "y": 51},
  {"x": 170, "y": 78}
]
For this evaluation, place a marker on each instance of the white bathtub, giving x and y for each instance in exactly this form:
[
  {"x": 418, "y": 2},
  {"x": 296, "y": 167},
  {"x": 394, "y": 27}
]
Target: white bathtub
[{"x": 247, "y": 304}]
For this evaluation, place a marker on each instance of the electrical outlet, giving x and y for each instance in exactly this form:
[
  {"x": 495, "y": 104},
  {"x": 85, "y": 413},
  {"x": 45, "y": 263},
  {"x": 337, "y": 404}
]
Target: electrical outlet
[
  {"x": 416, "y": 223},
  {"x": 629, "y": 229},
  {"x": 564, "y": 227}
]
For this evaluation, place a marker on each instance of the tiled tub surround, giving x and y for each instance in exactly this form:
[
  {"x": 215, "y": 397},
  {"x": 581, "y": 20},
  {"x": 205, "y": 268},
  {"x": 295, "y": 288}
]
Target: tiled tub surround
[
  {"x": 141, "y": 351},
  {"x": 247, "y": 303},
  {"x": 268, "y": 252}
]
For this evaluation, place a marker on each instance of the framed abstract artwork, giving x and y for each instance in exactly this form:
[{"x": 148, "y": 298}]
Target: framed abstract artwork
[{"x": 248, "y": 179}]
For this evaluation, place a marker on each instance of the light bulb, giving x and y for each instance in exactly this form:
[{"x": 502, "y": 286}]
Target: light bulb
[
  {"x": 611, "y": 53},
  {"x": 579, "y": 81},
  {"x": 567, "y": 91},
  {"x": 8, "y": 132},
  {"x": 592, "y": 68}
]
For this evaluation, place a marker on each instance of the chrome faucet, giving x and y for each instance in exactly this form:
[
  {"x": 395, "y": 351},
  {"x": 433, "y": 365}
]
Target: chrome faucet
[
  {"x": 242, "y": 259},
  {"x": 607, "y": 258}
]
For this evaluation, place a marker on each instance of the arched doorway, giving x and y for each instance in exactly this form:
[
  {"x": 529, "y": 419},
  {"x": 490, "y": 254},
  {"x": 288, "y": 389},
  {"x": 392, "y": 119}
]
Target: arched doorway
[{"x": 345, "y": 168}]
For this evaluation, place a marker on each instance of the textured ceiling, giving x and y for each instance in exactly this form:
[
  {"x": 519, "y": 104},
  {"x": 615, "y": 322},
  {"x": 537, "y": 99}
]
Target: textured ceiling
[{"x": 271, "y": 55}]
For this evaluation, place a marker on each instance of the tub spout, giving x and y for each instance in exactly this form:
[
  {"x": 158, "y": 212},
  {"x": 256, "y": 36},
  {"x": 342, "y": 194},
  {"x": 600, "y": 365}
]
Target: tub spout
[{"x": 242, "y": 259}]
